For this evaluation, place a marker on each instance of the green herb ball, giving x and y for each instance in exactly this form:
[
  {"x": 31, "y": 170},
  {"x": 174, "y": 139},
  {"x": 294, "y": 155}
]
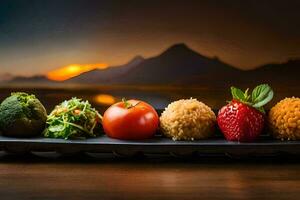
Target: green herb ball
[
  {"x": 73, "y": 119},
  {"x": 22, "y": 115}
]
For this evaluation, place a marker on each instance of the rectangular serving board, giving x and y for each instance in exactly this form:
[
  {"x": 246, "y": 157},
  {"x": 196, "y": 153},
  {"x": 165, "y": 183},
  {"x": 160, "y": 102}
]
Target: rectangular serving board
[{"x": 265, "y": 146}]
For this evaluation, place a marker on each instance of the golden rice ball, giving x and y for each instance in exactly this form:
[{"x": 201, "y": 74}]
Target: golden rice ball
[
  {"x": 187, "y": 119},
  {"x": 284, "y": 119}
]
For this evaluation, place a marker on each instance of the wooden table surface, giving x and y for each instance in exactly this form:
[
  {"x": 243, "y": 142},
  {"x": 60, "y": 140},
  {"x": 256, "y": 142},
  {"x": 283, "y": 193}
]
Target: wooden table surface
[{"x": 158, "y": 178}]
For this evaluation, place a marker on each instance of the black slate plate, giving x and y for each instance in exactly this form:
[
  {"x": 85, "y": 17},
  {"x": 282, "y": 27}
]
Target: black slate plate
[{"x": 265, "y": 146}]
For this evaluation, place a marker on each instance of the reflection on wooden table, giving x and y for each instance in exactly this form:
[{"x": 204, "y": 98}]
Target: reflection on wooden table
[{"x": 159, "y": 178}]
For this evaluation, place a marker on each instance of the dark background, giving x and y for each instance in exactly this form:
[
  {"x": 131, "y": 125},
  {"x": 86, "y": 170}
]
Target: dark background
[{"x": 158, "y": 51}]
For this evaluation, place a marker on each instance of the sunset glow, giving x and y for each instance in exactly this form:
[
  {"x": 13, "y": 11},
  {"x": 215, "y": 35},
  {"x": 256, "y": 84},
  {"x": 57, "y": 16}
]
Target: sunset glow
[
  {"x": 69, "y": 71},
  {"x": 105, "y": 99}
]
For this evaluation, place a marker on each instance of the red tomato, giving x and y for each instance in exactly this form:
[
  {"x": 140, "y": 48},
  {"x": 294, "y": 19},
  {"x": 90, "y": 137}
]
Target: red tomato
[{"x": 130, "y": 120}]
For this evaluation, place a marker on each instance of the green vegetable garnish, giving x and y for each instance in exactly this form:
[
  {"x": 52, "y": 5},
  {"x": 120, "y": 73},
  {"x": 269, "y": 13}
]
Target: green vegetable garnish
[
  {"x": 73, "y": 119},
  {"x": 260, "y": 96}
]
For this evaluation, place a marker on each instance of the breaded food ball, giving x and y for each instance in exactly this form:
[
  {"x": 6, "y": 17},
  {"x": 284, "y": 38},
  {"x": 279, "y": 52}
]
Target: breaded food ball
[
  {"x": 187, "y": 119},
  {"x": 284, "y": 119}
]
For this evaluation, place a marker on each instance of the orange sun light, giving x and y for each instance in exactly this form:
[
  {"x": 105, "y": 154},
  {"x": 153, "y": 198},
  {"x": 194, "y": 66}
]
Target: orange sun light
[
  {"x": 105, "y": 99},
  {"x": 69, "y": 71}
]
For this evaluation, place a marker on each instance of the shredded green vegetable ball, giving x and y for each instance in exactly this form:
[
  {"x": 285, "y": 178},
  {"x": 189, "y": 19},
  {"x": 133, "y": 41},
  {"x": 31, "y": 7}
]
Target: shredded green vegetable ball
[{"x": 73, "y": 119}]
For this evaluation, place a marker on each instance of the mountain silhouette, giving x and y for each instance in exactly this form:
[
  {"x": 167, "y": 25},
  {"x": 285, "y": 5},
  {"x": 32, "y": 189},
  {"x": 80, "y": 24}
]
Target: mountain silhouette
[
  {"x": 174, "y": 65},
  {"x": 177, "y": 65},
  {"x": 6, "y": 77},
  {"x": 180, "y": 65},
  {"x": 287, "y": 73},
  {"x": 32, "y": 79},
  {"x": 97, "y": 76}
]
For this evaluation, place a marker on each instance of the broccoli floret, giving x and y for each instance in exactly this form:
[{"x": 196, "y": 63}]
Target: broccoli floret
[{"x": 22, "y": 115}]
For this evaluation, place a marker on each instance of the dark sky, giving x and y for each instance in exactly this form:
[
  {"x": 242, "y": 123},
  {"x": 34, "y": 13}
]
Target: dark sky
[{"x": 38, "y": 36}]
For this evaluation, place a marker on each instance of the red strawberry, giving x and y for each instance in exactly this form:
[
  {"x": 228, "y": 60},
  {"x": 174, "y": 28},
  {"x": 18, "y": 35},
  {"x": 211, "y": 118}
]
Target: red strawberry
[{"x": 243, "y": 118}]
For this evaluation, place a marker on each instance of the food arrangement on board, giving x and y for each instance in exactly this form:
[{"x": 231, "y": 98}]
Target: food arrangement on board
[{"x": 243, "y": 119}]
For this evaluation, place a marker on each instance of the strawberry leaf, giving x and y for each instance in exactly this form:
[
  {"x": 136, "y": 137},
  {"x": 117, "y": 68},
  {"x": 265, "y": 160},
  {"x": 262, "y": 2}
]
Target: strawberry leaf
[
  {"x": 237, "y": 94},
  {"x": 255, "y": 93},
  {"x": 261, "y": 109},
  {"x": 260, "y": 93},
  {"x": 260, "y": 96},
  {"x": 265, "y": 99},
  {"x": 246, "y": 95}
]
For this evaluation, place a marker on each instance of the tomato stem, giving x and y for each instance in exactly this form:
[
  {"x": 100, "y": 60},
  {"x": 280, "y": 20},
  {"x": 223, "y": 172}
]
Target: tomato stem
[{"x": 127, "y": 104}]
